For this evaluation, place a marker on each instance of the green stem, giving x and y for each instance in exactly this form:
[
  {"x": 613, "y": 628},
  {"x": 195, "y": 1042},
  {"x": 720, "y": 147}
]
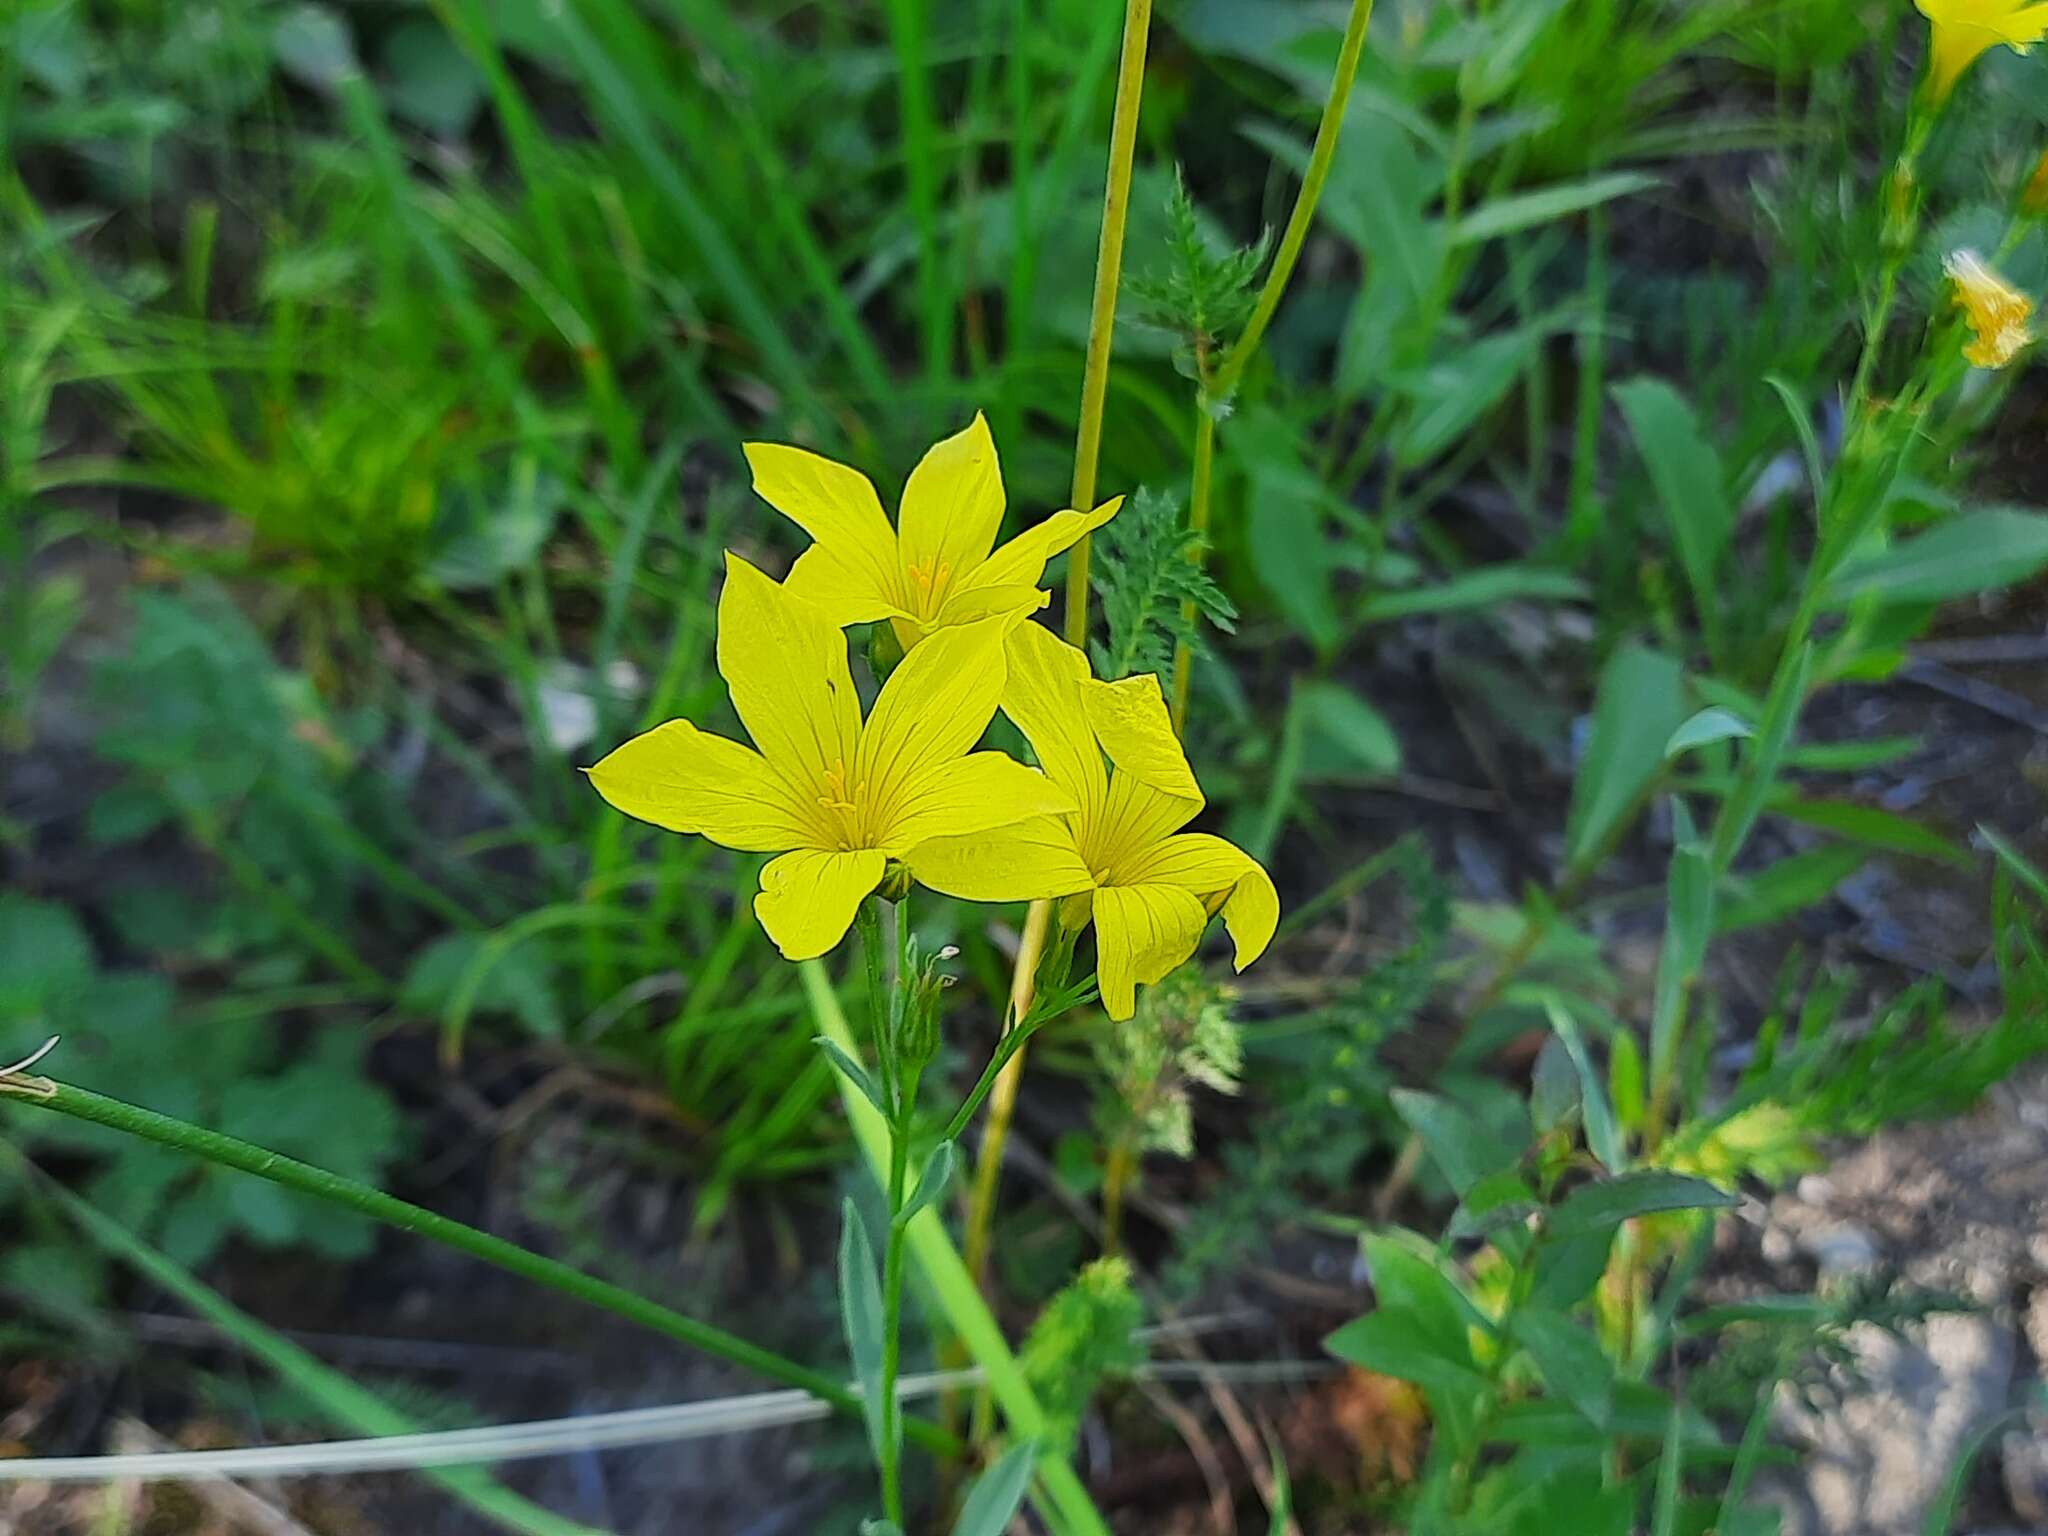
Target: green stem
[
  {"x": 1012, "y": 1043},
  {"x": 1223, "y": 383},
  {"x": 213, "y": 1147},
  {"x": 1299, "y": 221},
  {"x": 1109, "y": 261},
  {"x": 901, "y": 1093},
  {"x": 1060, "y": 1494}
]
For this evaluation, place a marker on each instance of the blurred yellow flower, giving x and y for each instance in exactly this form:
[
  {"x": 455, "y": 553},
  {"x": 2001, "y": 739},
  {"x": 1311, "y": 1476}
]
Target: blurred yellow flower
[
  {"x": 1150, "y": 888},
  {"x": 938, "y": 566},
  {"x": 1998, "y": 313},
  {"x": 1962, "y": 29},
  {"x": 836, "y": 796}
]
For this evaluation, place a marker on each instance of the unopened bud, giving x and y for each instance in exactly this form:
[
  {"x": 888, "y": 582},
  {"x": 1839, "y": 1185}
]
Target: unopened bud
[
  {"x": 895, "y": 881},
  {"x": 1901, "y": 209},
  {"x": 884, "y": 650}
]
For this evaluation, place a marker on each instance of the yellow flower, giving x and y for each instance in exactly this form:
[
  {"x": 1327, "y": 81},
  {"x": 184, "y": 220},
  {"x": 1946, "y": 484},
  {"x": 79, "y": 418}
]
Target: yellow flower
[
  {"x": 1998, "y": 313},
  {"x": 1150, "y": 887},
  {"x": 836, "y": 796},
  {"x": 939, "y": 566},
  {"x": 1962, "y": 29}
]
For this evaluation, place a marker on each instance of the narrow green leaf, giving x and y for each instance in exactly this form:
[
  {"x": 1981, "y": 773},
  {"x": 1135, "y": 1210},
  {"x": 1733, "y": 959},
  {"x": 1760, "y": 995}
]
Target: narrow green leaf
[
  {"x": 1554, "y": 1089},
  {"x": 1975, "y": 552},
  {"x": 1603, "y": 1138},
  {"x": 1705, "y": 728},
  {"x": 1872, "y": 826},
  {"x": 993, "y": 1500},
  {"x": 1571, "y": 1360},
  {"x": 852, "y": 1071},
  {"x": 1543, "y": 205},
  {"x": 1791, "y": 885},
  {"x": 931, "y": 1183},
  {"x": 1608, "y": 1203},
  {"x": 1639, "y": 704},
  {"x": 860, "y": 1312},
  {"x": 1387, "y": 1344},
  {"x": 1482, "y": 588},
  {"x": 2024, "y": 868},
  {"x": 1463, "y": 1148},
  {"x": 1760, "y": 772},
  {"x": 1353, "y": 725},
  {"x": 1688, "y": 924},
  {"x": 1691, "y": 487}
]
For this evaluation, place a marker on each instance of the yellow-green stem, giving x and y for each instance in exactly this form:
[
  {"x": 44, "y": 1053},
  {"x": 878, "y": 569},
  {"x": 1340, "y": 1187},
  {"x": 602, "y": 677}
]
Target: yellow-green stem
[
  {"x": 1219, "y": 386},
  {"x": 1002, "y": 1099},
  {"x": 1109, "y": 261}
]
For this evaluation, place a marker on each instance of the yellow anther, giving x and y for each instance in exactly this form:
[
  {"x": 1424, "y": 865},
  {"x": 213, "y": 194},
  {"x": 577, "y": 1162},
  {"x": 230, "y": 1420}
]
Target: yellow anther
[{"x": 839, "y": 795}]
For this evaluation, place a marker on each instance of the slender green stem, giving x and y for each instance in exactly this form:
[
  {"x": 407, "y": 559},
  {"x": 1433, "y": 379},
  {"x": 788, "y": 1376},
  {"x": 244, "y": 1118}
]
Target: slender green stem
[
  {"x": 901, "y": 1094},
  {"x": 892, "y": 1319},
  {"x": 229, "y": 1152},
  {"x": 1219, "y": 387},
  {"x": 1059, "y": 1493},
  {"x": 1109, "y": 261},
  {"x": 1012, "y": 1043},
  {"x": 1320, "y": 156}
]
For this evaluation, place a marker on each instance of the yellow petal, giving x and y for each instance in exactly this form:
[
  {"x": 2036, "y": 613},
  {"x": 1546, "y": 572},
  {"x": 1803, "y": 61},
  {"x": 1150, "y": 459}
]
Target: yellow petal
[
  {"x": 1210, "y": 867},
  {"x": 1131, "y": 721},
  {"x": 1134, "y": 818},
  {"x": 1022, "y": 560},
  {"x": 686, "y": 780},
  {"x": 971, "y": 607},
  {"x": 969, "y": 794},
  {"x": 836, "y": 505},
  {"x": 935, "y": 706},
  {"x": 1042, "y": 695},
  {"x": 1029, "y": 861},
  {"x": 842, "y": 591},
  {"x": 952, "y": 508},
  {"x": 808, "y": 898},
  {"x": 785, "y": 664},
  {"x": 1141, "y": 933},
  {"x": 1008, "y": 601}
]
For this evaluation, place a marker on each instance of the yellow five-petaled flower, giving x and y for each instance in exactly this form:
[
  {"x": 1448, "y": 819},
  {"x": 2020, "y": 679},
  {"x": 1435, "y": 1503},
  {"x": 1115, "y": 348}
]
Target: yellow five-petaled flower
[
  {"x": 1963, "y": 29},
  {"x": 939, "y": 566},
  {"x": 1119, "y": 855},
  {"x": 835, "y": 795}
]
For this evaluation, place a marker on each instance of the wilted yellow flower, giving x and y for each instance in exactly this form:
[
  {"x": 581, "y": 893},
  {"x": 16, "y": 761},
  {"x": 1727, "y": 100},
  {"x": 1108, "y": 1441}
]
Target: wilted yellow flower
[
  {"x": 939, "y": 565},
  {"x": 1998, "y": 313},
  {"x": 1150, "y": 888},
  {"x": 836, "y": 796},
  {"x": 1962, "y": 29}
]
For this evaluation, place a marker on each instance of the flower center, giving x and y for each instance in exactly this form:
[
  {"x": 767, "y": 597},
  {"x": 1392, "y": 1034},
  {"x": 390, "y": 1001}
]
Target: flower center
[
  {"x": 840, "y": 800},
  {"x": 928, "y": 580}
]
